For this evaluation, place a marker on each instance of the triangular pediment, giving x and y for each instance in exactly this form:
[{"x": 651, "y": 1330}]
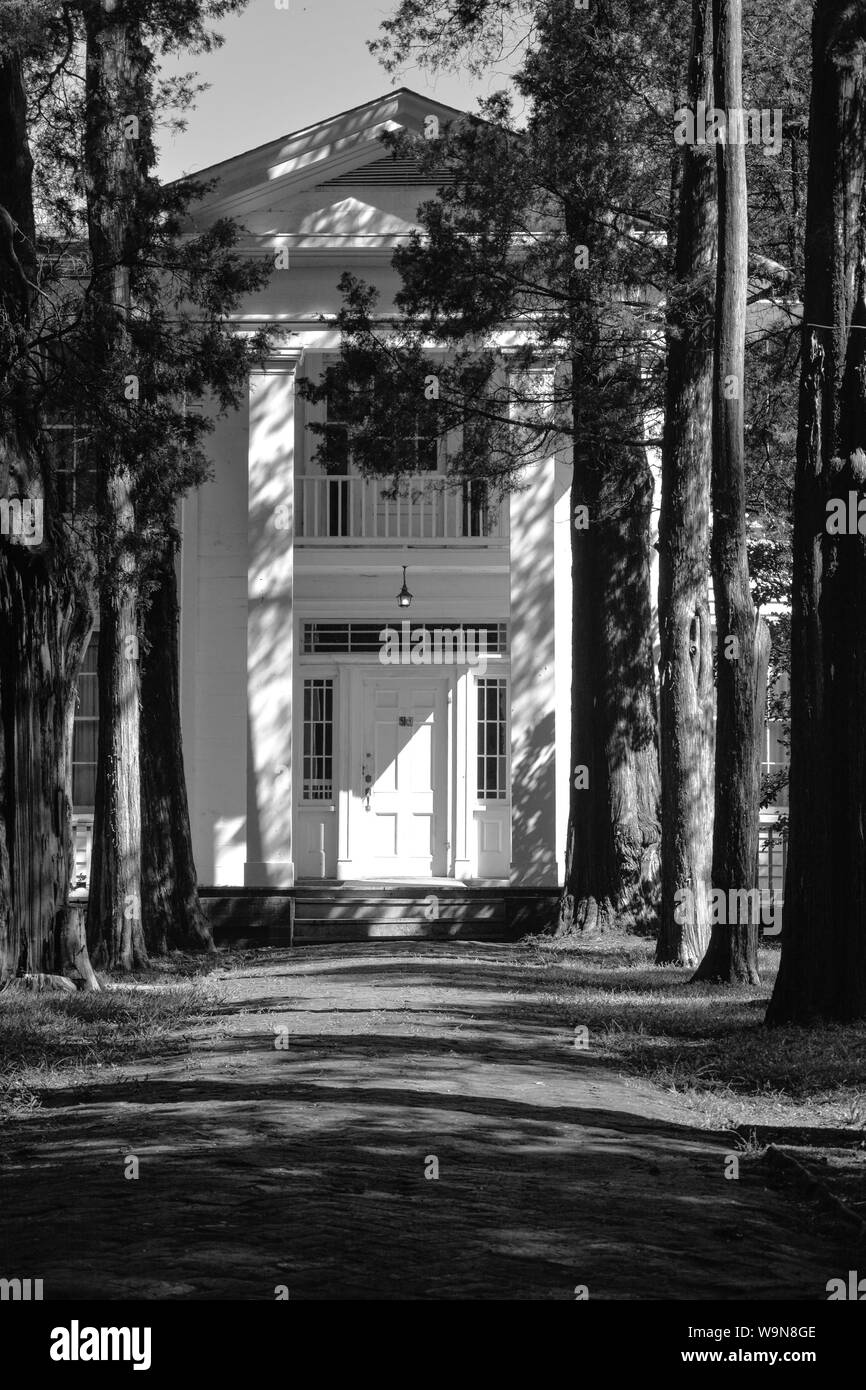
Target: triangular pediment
[
  {"x": 350, "y": 214},
  {"x": 343, "y": 151}
]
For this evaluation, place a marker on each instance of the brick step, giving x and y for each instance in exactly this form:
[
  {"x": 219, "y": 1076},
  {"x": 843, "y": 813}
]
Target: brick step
[
  {"x": 423, "y": 931},
  {"x": 336, "y": 892},
  {"x": 398, "y": 909},
  {"x": 356, "y": 900},
  {"x": 334, "y": 933},
  {"x": 265, "y": 918}
]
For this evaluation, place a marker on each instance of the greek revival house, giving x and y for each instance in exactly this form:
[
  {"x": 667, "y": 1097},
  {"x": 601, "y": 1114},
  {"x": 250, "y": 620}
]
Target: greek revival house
[{"x": 313, "y": 750}]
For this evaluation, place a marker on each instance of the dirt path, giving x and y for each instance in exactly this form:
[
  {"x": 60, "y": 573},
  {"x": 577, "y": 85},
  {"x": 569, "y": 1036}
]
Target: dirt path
[{"x": 305, "y": 1167}]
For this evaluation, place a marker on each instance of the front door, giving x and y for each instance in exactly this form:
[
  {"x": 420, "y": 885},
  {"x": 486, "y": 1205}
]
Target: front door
[{"x": 404, "y": 778}]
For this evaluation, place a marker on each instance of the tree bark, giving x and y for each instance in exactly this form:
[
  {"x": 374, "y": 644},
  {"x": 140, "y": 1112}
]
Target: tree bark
[
  {"x": 686, "y": 674},
  {"x": 629, "y": 707},
  {"x": 590, "y": 886},
  {"x": 45, "y": 614},
  {"x": 115, "y": 81},
  {"x": 743, "y": 638},
  {"x": 114, "y": 927},
  {"x": 822, "y": 974},
  {"x": 42, "y": 640},
  {"x": 171, "y": 911},
  {"x": 613, "y": 831}
]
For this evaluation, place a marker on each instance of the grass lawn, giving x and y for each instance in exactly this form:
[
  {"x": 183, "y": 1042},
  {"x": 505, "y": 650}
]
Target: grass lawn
[
  {"x": 49, "y": 1040},
  {"x": 801, "y": 1088}
]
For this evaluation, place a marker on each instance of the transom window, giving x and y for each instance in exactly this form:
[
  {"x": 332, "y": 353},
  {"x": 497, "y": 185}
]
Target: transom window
[{"x": 356, "y": 639}]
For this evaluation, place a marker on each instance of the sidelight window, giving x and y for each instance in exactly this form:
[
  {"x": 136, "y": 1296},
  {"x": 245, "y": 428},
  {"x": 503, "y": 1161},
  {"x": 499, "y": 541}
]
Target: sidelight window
[
  {"x": 492, "y": 739},
  {"x": 318, "y": 739}
]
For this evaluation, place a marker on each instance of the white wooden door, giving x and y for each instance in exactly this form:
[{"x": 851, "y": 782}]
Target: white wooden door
[{"x": 404, "y": 778}]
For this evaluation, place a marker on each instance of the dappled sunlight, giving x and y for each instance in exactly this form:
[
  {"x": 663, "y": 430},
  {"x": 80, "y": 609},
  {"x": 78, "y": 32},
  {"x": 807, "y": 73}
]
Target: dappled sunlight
[
  {"x": 707, "y": 1044},
  {"x": 293, "y": 1141},
  {"x": 534, "y": 768}
]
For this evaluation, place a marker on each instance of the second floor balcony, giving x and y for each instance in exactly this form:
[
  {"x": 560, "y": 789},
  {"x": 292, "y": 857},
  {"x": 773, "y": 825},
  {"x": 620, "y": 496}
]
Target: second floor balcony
[{"x": 360, "y": 511}]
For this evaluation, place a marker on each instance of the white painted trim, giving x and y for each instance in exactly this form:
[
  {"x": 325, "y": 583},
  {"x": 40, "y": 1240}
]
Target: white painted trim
[
  {"x": 270, "y": 627},
  {"x": 188, "y": 589}
]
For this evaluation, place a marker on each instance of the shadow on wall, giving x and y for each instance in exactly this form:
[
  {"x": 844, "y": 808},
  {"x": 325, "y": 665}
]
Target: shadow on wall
[
  {"x": 534, "y": 806},
  {"x": 269, "y": 625},
  {"x": 533, "y": 749}
]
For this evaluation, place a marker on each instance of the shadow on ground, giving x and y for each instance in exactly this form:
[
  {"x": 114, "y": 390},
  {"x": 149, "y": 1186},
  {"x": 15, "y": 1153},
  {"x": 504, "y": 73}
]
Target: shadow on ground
[{"x": 413, "y": 1129}]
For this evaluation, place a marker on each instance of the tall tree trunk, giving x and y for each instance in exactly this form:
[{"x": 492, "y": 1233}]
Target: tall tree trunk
[
  {"x": 743, "y": 638},
  {"x": 42, "y": 639},
  {"x": 613, "y": 832},
  {"x": 686, "y": 673},
  {"x": 114, "y": 926},
  {"x": 171, "y": 910},
  {"x": 590, "y": 875},
  {"x": 45, "y": 614},
  {"x": 116, "y": 65},
  {"x": 822, "y": 974},
  {"x": 628, "y": 707}
]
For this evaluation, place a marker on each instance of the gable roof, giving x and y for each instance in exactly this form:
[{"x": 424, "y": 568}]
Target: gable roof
[{"x": 338, "y": 150}]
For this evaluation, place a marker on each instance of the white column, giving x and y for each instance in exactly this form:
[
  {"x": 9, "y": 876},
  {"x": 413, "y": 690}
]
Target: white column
[
  {"x": 563, "y": 642},
  {"x": 269, "y": 627},
  {"x": 188, "y": 564},
  {"x": 463, "y": 784},
  {"x": 351, "y": 698},
  {"x": 450, "y": 726},
  {"x": 534, "y": 768}
]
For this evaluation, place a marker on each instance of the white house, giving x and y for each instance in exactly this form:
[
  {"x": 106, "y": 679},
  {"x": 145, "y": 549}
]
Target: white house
[{"x": 311, "y": 753}]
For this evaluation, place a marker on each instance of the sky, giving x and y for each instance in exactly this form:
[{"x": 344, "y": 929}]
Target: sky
[{"x": 280, "y": 70}]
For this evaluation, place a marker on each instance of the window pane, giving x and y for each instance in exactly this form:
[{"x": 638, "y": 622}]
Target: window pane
[
  {"x": 83, "y": 786},
  {"x": 84, "y": 741},
  {"x": 318, "y": 769},
  {"x": 427, "y": 455},
  {"x": 491, "y": 737},
  {"x": 88, "y": 695},
  {"x": 85, "y": 732}
]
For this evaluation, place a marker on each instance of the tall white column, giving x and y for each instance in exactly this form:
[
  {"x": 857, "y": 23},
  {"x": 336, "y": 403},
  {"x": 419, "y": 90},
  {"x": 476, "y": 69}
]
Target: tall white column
[
  {"x": 534, "y": 767},
  {"x": 189, "y": 565},
  {"x": 563, "y": 627},
  {"x": 351, "y": 697},
  {"x": 270, "y": 653},
  {"x": 465, "y": 768}
]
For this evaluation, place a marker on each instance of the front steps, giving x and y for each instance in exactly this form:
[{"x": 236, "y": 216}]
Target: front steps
[{"x": 328, "y": 912}]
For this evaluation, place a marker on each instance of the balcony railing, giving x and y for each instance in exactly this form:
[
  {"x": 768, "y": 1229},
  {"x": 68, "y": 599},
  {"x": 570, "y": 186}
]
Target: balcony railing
[{"x": 359, "y": 510}]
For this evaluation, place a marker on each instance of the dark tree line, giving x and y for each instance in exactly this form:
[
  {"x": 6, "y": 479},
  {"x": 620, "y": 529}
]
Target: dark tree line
[{"x": 118, "y": 350}]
